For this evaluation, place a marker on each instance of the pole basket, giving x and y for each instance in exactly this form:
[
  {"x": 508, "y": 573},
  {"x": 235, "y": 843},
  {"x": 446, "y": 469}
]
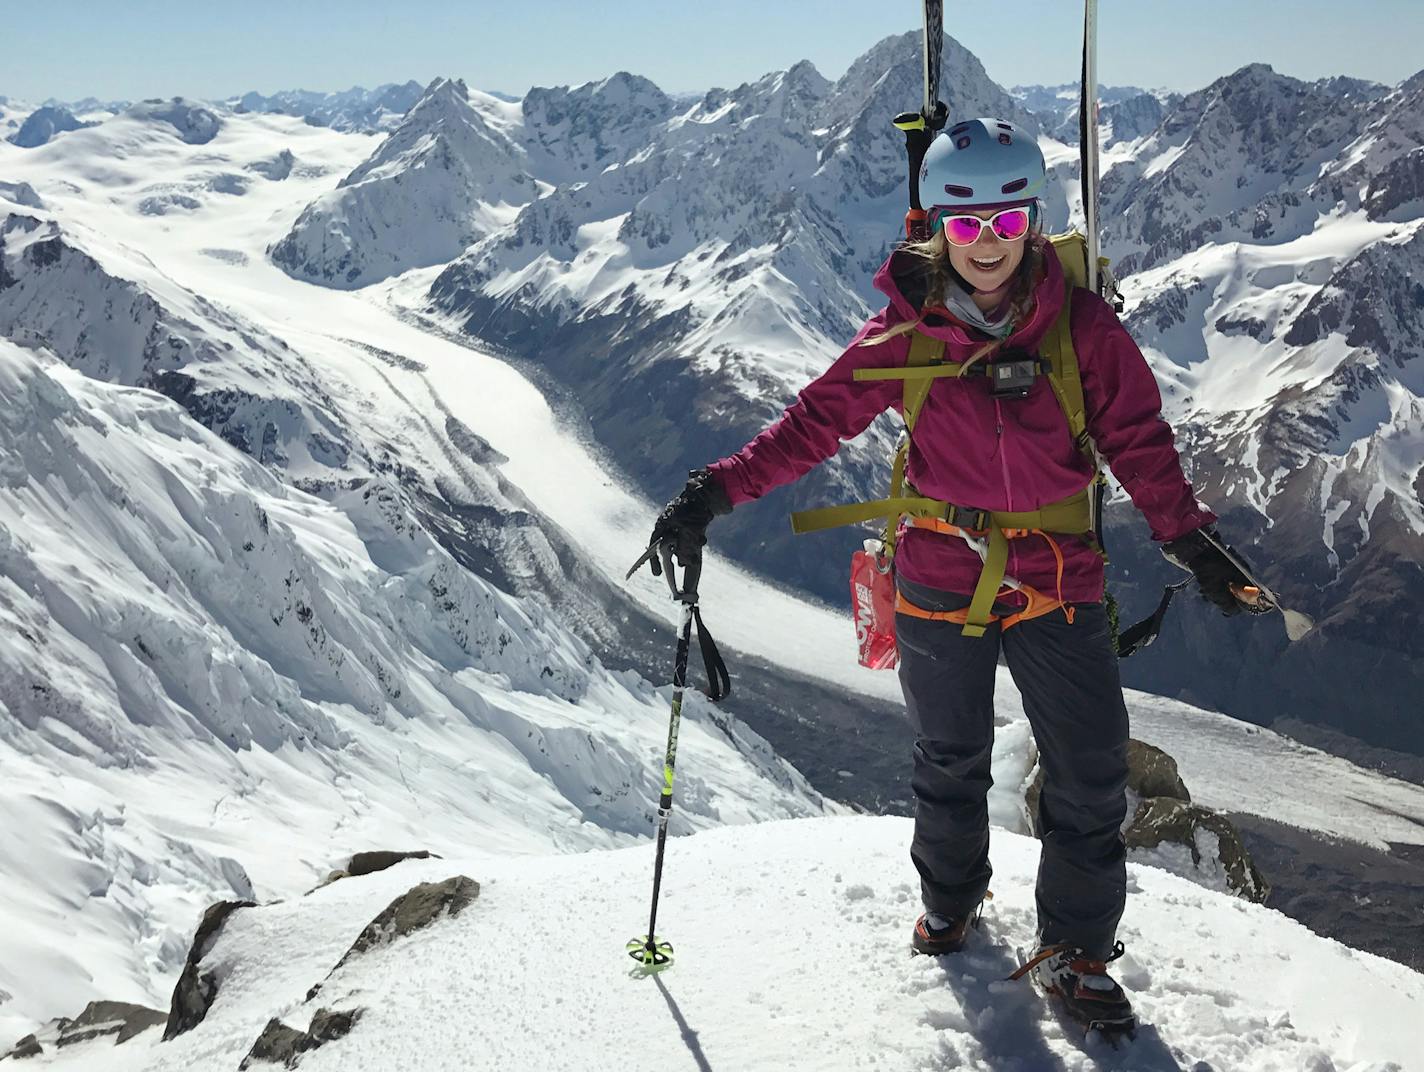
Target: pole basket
[{"x": 650, "y": 953}]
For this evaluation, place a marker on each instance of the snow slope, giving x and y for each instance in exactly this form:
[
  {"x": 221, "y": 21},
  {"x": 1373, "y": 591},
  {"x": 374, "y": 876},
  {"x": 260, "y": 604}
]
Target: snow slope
[
  {"x": 791, "y": 953},
  {"x": 213, "y": 685}
]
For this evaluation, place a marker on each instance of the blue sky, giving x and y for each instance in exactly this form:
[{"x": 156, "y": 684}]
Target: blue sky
[{"x": 143, "y": 48}]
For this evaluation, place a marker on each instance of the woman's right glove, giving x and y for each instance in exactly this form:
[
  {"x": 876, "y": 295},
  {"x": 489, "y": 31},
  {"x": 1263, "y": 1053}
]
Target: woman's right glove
[
  {"x": 682, "y": 526},
  {"x": 1215, "y": 572}
]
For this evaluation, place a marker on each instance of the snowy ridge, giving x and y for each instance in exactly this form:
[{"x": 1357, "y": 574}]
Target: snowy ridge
[
  {"x": 441, "y": 180},
  {"x": 815, "y": 907},
  {"x": 356, "y": 109},
  {"x": 222, "y": 661}
]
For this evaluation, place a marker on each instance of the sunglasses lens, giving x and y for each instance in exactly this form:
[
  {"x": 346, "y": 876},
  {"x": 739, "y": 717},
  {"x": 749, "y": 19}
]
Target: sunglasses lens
[
  {"x": 1011, "y": 224},
  {"x": 962, "y": 230}
]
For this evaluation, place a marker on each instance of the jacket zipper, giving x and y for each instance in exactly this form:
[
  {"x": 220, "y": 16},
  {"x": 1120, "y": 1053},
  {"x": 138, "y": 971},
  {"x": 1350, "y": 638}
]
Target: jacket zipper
[{"x": 1008, "y": 487}]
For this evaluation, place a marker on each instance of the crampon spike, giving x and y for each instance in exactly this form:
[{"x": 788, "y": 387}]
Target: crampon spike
[{"x": 649, "y": 952}]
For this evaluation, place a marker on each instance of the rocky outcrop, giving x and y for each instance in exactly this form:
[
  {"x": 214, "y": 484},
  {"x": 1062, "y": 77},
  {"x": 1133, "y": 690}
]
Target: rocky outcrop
[
  {"x": 280, "y": 1044},
  {"x": 29, "y": 1046},
  {"x": 196, "y": 989},
  {"x": 43, "y": 124},
  {"x": 1165, "y": 829},
  {"x": 1212, "y": 841},
  {"x": 418, "y": 907},
  {"x": 192, "y": 122},
  {"x": 1151, "y": 772},
  {"x": 121, "y": 1019},
  {"x": 368, "y": 863}
]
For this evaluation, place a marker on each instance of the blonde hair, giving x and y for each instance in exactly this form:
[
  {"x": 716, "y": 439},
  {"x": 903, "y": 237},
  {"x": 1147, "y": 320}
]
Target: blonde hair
[{"x": 934, "y": 266}]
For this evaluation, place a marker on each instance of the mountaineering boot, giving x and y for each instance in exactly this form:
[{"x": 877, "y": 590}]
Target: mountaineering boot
[
  {"x": 935, "y": 934},
  {"x": 1087, "y": 992}
]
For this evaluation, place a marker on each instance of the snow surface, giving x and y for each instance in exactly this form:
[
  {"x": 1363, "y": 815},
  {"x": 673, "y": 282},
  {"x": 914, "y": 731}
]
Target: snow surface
[{"x": 792, "y": 952}]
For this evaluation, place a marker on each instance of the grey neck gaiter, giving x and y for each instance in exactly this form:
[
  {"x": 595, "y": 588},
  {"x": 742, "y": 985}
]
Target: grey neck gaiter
[{"x": 962, "y": 306}]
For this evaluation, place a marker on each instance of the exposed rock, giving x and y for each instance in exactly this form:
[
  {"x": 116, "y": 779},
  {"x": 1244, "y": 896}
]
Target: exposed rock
[
  {"x": 1162, "y": 820},
  {"x": 193, "y": 123},
  {"x": 43, "y": 124},
  {"x": 1161, "y": 812},
  {"x": 368, "y": 863},
  {"x": 29, "y": 1046},
  {"x": 22, "y": 193},
  {"x": 194, "y": 993},
  {"x": 1151, "y": 772},
  {"x": 279, "y": 1043},
  {"x": 418, "y": 907},
  {"x": 118, "y": 1018},
  {"x": 277, "y": 168}
]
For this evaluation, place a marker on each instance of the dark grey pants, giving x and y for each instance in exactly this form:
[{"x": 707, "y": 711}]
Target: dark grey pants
[{"x": 1072, "y": 695}]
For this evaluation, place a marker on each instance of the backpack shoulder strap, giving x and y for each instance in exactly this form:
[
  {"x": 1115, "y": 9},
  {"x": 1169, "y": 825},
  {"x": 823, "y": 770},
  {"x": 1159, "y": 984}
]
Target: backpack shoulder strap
[
  {"x": 1063, "y": 374},
  {"x": 925, "y": 350}
]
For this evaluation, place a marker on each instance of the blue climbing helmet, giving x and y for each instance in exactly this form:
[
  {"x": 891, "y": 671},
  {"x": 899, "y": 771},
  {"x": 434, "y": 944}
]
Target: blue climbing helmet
[{"x": 982, "y": 163}]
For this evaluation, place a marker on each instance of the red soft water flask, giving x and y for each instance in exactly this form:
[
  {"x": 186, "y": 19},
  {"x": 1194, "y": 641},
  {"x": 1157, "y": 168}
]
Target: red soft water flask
[{"x": 872, "y": 595}]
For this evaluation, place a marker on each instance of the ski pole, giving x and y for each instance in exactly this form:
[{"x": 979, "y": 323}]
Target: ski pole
[{"x": 646, "y": 949}]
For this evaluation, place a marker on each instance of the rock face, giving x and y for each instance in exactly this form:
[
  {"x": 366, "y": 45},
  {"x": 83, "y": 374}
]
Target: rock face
[
  {"x": 41, "y": 126},
  {"x": 280, "y": 1044},
  {"x": 194, "y": 123},
  {"x": 432, "y": 188},
  {"x": 1153, "y": 773},
  {"x": 194, "y": 993},
  {"x": 1211, "y": 839},
  {"x": 118, "y": 1018},
  {"x": 418, "y": 907},
  {"x": 1164, "y": 829},
  {"x": 29, "y": 1046},
  {"x": 368, "y": 863}
]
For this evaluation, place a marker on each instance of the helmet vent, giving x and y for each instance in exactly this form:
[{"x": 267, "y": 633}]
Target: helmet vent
[
  {"x": 1013, "y": 187},
  {"x": 1004, "y": 139},
  {"x": 960, "y": 129},
  {"x": 1005, "y": 126},
  {"x": 962, "y": 143},
  {"x": 958, "y": 191}
]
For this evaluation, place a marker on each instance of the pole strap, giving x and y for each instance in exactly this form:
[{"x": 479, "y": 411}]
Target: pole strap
[{"x": 719, "y": 682}]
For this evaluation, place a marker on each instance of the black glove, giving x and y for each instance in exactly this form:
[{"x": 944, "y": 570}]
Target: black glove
[
  {"x": 682, "y": 526},
  {"x": 1215, "y": 573}
]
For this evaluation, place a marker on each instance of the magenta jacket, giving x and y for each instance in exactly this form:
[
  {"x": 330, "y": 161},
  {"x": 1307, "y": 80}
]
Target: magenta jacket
[{"x": 973, "y": 450}]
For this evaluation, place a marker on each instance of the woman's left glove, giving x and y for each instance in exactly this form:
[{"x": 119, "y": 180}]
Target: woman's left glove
[
  {"x": 682, "y": 526},
  {"x": 1214, "y": 570}
]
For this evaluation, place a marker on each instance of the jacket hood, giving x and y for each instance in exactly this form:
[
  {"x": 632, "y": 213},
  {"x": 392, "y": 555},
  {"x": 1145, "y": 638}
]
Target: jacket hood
[{"x": 902, "y": 281}]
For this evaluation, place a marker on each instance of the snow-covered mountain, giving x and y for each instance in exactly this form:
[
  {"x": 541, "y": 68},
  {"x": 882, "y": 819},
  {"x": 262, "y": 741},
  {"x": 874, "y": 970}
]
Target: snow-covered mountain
[
  {"x": 212, "y": 683},
  {"x": 690, "y": 283},
  {"x": 444, "y": 178},
  {"x": 1125, "y": 112},
  {"x": 357, "y": 108},
  {"x": 41, "y": 125},
  {"x": 1280, "y": 310}
]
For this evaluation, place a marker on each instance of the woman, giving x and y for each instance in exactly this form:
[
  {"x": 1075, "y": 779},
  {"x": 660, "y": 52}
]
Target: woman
[{"x": 989, "y": 285}]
